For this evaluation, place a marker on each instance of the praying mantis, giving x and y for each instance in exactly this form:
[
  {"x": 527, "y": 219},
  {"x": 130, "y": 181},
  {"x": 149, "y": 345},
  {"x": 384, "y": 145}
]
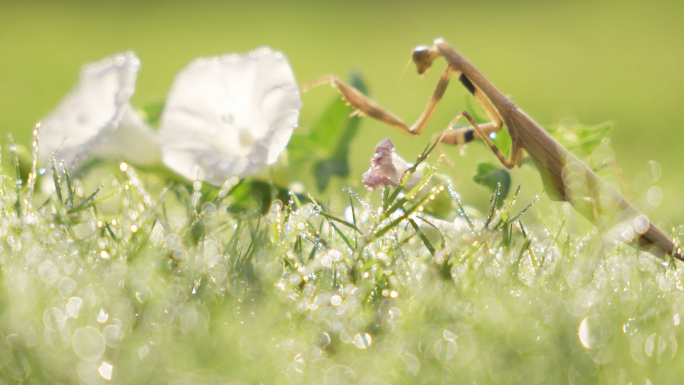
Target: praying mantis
[{"x": 564, "y": 176}]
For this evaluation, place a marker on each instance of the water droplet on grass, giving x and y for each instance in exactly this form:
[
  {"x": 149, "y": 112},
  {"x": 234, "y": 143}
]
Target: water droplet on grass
[
  {"x": 54, "y": 319},
  {"x": 105, "y": 370},
  {"x": 654, "y": 196},
  {"x": 143, "y": 352},
  {"x": 321, "y": 340},
  {"x": 66, "y": 286},
  {"x": 594, "y": 331},
  {"x": 88, "y": 343},
  {"x": 445, "y": 349},
  {"x": 339, "y": 375},
  {"x": 73, "y": 306},
  {"x": 574, "y": 278},
  {"x": 630, "y": 327},
  {"x": 48, "y": 272},
  {"x": 102, "y": 316},
  {"x": 362, "y": 340},
  {"x": 112, "y": 335},
  {"x": 295, "y": 279}
]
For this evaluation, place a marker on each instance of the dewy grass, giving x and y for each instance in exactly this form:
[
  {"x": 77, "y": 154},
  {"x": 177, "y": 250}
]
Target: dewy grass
[{"x": 141, "y": 281}]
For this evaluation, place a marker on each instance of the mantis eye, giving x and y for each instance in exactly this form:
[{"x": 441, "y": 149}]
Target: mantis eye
[{"x": 422, "y": 57}]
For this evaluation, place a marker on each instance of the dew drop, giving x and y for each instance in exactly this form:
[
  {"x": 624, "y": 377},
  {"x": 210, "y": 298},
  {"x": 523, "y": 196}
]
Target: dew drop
[
  {"x": 88, "y": 373},
  {"x": 574, "y": 278},
  {"x": 54, "y": 319},
  {"x": 88, "y": 343},
  {"x": 105, "y": 370},
  {"x": 641, "y": 224},
  {"x": 654, "y": 196},
  {"x": 112, "y": 335},
  {"x": 654, "y": 170},
  {"x": 66, "y": 286},
  {"x": 445, "y": 349},
  {"x": 630, "y": 327},
  {"x": 102, "y": 317},
  {"x": 326, "y": 261},
  {"x": 73, "y": 306},
  {"x": 143, "y": 352},
  {"x": 594, "y": 331},
  {"x": 321, "y": 340},
  {"x": 362, "y": 340},
  {"x": 335, "y": 255},
  {"x": 339, "y": 375},
  {"x": 48, "y": 272},
  {"x": 649, "y": 345},
  {"x": 295, "y": 279},
  {"x": 208, "y": 209}
]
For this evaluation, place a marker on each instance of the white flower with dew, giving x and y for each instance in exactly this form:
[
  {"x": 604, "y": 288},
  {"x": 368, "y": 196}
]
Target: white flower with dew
[
  {"x": 229, "y": 116},
  {"x": 97, "y": 119}
]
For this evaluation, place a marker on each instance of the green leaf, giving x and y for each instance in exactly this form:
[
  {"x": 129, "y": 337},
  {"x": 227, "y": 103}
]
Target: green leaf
[
  {"x": 576, "y": 136},
  {"x": 327, "y": 129},
  {"x": 253, "y": 191},
  {"x": 441, "y": 206},
  {"x": 152, "y": 112},
  {"x": 490, "y": 175},
  {"x": 325, "y": 169},
  {"x": 423, "y": 237},
  {"x": 502, "y": 140},
  {"x": 301, "y": 150},
  {"x": 475, "y": 109},
  {"x": 329, "y": 140}
]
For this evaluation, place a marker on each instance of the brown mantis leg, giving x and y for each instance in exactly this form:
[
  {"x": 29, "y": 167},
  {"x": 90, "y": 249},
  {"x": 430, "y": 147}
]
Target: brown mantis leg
[
  {"x": 459, "y": 136},
  {"x": 368, "y": 107},
  {"x": 515, "y": 153}
]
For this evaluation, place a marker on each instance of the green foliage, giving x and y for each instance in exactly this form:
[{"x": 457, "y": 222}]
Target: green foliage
[
  {"x": 152, "y": 112},
  {"x": 254, "y": 191},
  {"x": 495, "y": 178},
  {"x": 140, "y": 280},
  {"x": 570, "y": 134},
  {"x": 326, "y": 146},
  {"x": 575, "y": 136}
]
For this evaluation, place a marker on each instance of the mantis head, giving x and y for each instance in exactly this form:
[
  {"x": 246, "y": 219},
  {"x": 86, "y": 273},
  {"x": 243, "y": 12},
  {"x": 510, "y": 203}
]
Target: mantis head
[{"x": 423, "y": 56}]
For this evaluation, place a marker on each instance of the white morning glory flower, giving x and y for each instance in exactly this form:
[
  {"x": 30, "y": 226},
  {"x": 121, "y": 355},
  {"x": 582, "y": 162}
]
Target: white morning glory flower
[
  {"x": 97, "y": 119},
  {"x": 229, "y": 116}
]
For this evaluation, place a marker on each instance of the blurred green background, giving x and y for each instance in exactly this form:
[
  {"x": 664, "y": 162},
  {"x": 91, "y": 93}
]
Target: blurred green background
[{"x": 592, "y": 60}]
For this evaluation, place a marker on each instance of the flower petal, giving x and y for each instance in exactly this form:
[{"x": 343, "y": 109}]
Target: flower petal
[
  {"x": 382, "y": 171},
  {"x": 229, "y": 116},
  {"x": 97, "y": 119},
  {"x": 387, "y": 167}
]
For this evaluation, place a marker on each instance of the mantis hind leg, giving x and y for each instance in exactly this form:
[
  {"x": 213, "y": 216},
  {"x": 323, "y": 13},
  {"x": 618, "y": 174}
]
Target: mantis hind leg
[{"x": 516, "y": 151}]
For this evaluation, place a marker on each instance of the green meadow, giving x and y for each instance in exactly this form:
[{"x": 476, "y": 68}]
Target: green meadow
[{"x": 131, "y": 275}]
